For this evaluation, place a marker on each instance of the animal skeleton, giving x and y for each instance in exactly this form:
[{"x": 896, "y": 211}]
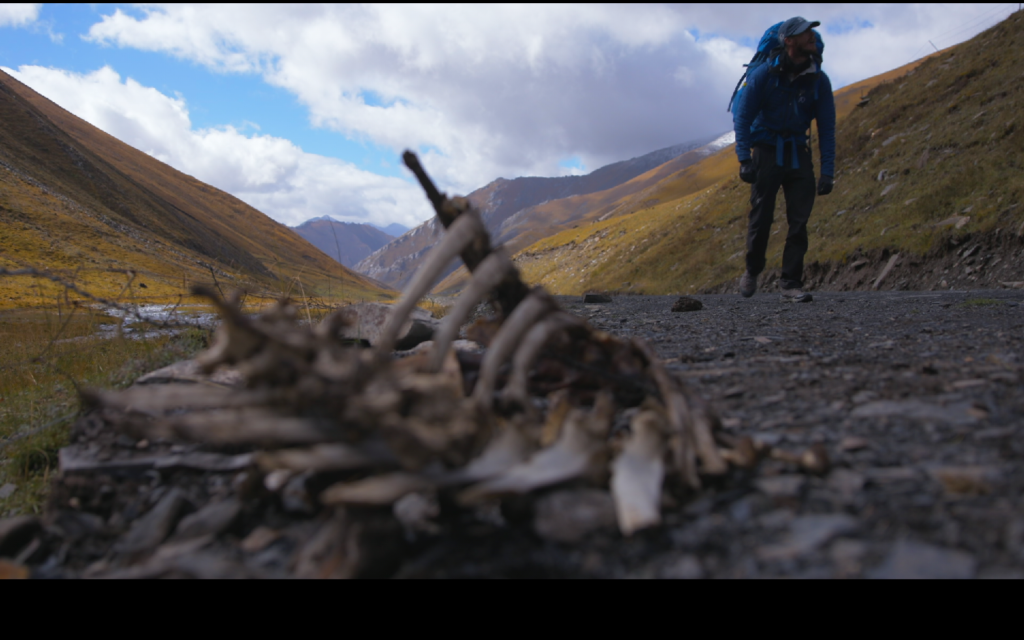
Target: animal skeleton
[{"x": 404, "y": 430}]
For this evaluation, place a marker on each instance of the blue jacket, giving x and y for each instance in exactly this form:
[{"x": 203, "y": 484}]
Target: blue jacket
[{"x": 773, "y": 110}]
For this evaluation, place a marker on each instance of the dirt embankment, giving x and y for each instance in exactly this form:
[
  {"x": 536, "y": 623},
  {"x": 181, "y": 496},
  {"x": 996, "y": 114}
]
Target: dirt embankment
[{"x": 993, "y": 260}]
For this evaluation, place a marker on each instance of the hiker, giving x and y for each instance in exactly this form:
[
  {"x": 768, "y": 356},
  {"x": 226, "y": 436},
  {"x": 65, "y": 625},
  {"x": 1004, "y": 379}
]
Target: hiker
[{"x": 772, "y": 116}]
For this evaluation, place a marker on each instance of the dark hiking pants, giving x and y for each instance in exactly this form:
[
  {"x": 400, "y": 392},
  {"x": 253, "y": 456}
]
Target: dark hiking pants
[{"x": 799, "y": 188}]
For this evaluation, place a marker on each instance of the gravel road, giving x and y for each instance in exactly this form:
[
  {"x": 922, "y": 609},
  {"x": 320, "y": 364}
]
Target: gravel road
[{"x": 916, "y": 396}]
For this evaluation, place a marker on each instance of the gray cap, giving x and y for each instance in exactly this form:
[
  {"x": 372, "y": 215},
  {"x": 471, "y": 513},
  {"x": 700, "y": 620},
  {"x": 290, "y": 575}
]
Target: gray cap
[{"x": 794, "y": 27}]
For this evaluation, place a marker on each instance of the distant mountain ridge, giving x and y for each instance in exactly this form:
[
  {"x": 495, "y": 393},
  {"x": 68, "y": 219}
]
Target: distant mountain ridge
[
  {"x": 346, "y": 242},
  {"x": 396, "y": 262}
]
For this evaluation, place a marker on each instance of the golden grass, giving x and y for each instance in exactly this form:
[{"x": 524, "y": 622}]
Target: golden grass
[
  {"x": 46, "y": 355},
  {"x": 77, "y": 202}
]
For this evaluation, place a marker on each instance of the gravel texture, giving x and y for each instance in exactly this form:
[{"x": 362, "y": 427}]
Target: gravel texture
[{"x": 916, "y": 397}]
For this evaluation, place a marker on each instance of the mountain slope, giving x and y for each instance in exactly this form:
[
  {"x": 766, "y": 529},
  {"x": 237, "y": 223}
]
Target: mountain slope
[
  {"x": 346, "y": 242},
  {"x": 79, "y": 202},
  {"x": 500, "y": 200},
  {"x": 929, "y": 168}
]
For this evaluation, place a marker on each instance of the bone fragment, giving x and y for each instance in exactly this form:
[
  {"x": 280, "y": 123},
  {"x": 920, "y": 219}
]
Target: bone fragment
[
  {"x": 460, "y": 234},
  {"x": 249, "y": 426},
  {"x": 637, "y": 474},
  {"x": 508, "y": 448},
  {"x": 702, "y": 424},
  {"x": 573, "y": 455},
  {"x": 376, "y": 490},
  {"x": 515, "y": 391},
  {"x": 529, "y": 311},
  {"x": 322, "y": 457},
  {"x": 485, "y": 278},
  {"x": 681, "y": 440}
]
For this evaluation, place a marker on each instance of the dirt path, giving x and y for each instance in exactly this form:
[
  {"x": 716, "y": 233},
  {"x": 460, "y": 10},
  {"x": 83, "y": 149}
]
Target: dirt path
[{"x": 917, "y": 398}]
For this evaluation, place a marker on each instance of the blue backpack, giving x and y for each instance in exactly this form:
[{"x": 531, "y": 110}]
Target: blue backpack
[{"x": 765, "y": 49}]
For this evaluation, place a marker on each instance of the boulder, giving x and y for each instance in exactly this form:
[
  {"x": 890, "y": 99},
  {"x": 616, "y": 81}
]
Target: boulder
[{"x": 366, "y": 321}]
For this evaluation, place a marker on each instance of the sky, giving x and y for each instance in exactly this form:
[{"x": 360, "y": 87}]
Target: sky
[{"x": 304, "y": 110}]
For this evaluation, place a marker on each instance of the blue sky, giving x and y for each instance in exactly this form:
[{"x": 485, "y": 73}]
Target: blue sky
[{"x": 303, "y": 110}]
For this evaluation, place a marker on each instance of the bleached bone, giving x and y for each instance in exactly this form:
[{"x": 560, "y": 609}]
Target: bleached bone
[
  {"x": 702, "y": 424},
  {"x": 638, "y": 472},
  {"x": 466, "y": 228},
  {"x": 575, "y": 453},
  {"x": 375, "y": 490},
  {"x": 485, "y": 278},
  {"x": 507, "y": 449},
  {"x": 680, "y": 441},
  {"x": 158, "y": 400},
  {"x": 247, "y": 426},
  {"x": 322, "y": 457},
  {"x": 529, "y": 311},
  {"x": 515, "y": 391}
]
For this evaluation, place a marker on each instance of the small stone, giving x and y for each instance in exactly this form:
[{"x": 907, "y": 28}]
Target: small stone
[
  {"x": 847, "y": 556},
  {"x": 960, "y": 385},
  {"x": 784, "y": 486},
  {"x": 863, "y": 396},
  {"x": 8, "y": 490},
  {"x": 366, "y": 321},
  {"x": 995, "y": 433},
  {"x": 808, "y": 533},
  {"x": 212, "y": 519},
  {"x": 17, "y": 532},
  {"x": 684, "y": 567},
  {"x": 976, "y": 480},
  {"x": 956, "y": 414},
  {"x": 150, "y": 530},
  {"x": 882, "y": 175},
  {"x": 888, "y": 189},
  {"x": 885, "y": 475},
  {"x": 846, "y": 483},
  {"x": 568, "y": 516},
  {"x": 596, "y": 298},
  {"x": 687, "y": 304},
  {"x": 853, "y": 443},
  {"x": 909, "y": 560},
  {"x": 260, "y": 538}
]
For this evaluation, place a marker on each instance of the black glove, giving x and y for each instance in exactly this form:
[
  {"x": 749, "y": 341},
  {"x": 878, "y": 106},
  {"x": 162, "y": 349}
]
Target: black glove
[
  {"x": 748, "y": 173},
  {"x": 824, "y": 185}
]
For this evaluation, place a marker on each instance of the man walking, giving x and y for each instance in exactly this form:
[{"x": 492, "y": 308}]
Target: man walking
[{"x": 772, "y": 117}]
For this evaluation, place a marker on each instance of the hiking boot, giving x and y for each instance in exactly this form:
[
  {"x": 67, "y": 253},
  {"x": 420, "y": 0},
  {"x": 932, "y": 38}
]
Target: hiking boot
[
  {"x": 748, "y": 284},
  {"x": 796, "y": 295}
]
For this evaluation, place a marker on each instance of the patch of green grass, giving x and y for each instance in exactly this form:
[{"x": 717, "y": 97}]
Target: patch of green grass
[{"x": 45, "y": 357}]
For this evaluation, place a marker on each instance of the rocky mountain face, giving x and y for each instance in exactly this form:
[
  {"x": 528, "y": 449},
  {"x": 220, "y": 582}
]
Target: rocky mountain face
[
  {"x": 346, "y": 242},
  {"x": 80, "y": 204},
  {"x": 396, "y": 262}
]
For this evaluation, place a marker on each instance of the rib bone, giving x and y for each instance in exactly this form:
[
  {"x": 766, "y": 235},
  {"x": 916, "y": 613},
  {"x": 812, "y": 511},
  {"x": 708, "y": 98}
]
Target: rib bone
[
  {"x": 515, "y": 391},
  {"x": 534, "y": 307},
  {"x": 461, "y": 234},
  {"x": 485, "y": 278}
]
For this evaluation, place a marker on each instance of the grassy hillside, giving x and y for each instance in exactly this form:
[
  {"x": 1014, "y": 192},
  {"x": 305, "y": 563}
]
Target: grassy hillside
[
  {"x": 946, "y": 134},
  {"x": 502, "y": 200},
  {"x": 79, "y": 203}
]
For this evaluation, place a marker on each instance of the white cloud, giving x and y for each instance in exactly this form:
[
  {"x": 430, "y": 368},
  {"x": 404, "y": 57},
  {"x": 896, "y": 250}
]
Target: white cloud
[
  {"x": 508, "y": 90},
  {"x": 271, "y": 174},
  {"x": 18, "y": 14}
]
